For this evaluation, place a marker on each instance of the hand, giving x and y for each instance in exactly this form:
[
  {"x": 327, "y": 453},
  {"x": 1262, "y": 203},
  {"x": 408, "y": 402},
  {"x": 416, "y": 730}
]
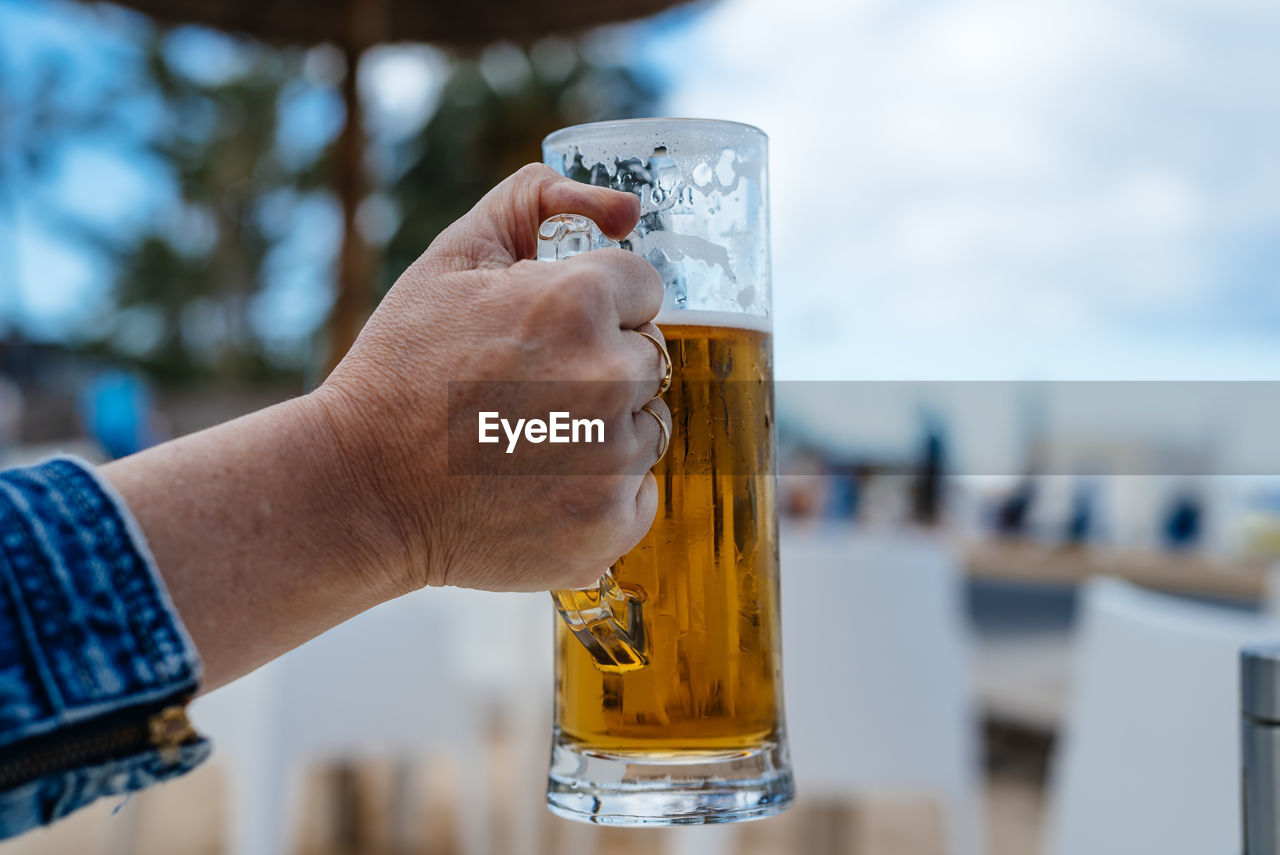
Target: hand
[
  {"x": 271, "y": 528},
  {"x": 476, "y": 307}
]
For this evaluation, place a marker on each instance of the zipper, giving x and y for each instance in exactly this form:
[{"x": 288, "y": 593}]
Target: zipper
[{"x": 164, "y": 729}]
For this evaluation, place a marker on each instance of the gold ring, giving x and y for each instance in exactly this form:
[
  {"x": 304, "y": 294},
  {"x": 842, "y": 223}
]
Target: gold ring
[
  {"x": 662, "y": 426},
  {"x": 666, "y": 359}
]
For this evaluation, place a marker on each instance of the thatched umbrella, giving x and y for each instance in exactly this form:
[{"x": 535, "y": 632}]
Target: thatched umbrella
[{"x": 356, "y": 25}]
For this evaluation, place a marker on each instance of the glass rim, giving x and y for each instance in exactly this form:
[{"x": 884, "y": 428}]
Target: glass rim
[{"x": 675, "y": 122}]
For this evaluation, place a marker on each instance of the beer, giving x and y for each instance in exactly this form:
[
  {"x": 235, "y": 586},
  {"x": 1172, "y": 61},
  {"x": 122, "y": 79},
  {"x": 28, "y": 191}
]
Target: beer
[
  {"x": 706, "y": 572},
  {"x": 668, "y": 681}
]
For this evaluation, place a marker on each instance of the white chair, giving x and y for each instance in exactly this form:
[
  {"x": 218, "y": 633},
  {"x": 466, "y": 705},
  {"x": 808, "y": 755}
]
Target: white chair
[
  {"x": 1149, "y": 760},
  {"x": 503, "y": 650},
  {"x": 877, "y": 672},
  {"x": 382, "y": 684}
]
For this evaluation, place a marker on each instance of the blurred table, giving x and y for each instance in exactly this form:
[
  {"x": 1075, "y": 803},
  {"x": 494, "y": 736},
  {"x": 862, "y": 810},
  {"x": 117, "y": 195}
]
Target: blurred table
[{"x": 1190, "y": 573}]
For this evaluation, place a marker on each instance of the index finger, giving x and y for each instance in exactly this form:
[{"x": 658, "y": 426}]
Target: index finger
[{"x": 635, "y": 284}]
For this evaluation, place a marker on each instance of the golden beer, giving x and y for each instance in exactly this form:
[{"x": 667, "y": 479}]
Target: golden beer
[{"x": 706, "y": 573}]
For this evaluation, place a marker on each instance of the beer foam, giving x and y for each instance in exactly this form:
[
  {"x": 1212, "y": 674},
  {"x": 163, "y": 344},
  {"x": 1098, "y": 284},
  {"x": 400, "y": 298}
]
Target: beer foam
[{"x": 703, "y": 318}]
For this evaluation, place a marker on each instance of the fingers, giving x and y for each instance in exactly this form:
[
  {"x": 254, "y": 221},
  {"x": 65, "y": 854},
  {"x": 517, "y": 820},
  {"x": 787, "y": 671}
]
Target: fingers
[
  {"x": 633, "y": 283},
  {"x": 652, "y": 423},
  {"x": 504, "y": 224},
  {"x": 618, "y": 509},
  {"x": 650, "y": 358},
  {"x": 645, "y": 512},
  {"x": 637, "y": 286},
  {"x": 631, "y": 512},
  {"x": 636, "y": 510}
]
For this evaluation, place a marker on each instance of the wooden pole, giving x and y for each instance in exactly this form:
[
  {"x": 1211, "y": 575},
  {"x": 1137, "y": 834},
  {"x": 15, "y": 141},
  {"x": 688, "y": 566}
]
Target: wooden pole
[{"x": 354, "y": 298}]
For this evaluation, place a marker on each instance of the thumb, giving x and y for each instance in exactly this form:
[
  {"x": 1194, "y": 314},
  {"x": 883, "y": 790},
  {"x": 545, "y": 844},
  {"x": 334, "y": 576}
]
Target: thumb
[{"x": 503, "y": 226}]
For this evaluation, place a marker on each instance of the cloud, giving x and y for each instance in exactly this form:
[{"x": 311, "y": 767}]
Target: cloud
[{"x": 991, "y": 187}]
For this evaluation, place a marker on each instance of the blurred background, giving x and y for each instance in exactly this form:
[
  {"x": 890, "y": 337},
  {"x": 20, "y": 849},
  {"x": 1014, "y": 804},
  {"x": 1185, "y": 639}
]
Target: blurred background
[{"x": 1027, "y": 328}]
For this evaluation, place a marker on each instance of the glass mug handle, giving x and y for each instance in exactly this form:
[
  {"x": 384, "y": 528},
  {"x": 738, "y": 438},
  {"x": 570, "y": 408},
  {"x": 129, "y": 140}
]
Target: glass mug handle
[{"x": 606, "y": 618}]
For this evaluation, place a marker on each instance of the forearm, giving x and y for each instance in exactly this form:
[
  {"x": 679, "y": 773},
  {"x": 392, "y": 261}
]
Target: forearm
[{"x": 259, "y": 533}]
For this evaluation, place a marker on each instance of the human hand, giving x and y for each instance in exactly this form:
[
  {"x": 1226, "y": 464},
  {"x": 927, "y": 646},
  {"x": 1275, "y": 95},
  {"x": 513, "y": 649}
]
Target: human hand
[{"x": 476, "y": 307}]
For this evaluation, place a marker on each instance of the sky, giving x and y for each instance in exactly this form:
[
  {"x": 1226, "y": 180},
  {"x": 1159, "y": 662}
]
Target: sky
[
  {"x": 987, "y": 189},
  {"x": 1067, "y": 189}
]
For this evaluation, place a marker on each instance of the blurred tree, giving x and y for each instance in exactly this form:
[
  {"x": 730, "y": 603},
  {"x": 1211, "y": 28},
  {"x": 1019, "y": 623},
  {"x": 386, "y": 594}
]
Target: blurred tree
[
  {"x": 186, "y": 298},
  {"x": 40, "y": 112},
  {"x": 493, "y": 112},
  {"x": 182, "y": 305}
]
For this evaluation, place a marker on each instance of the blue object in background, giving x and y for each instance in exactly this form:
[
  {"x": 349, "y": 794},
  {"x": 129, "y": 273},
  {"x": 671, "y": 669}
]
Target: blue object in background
[
  {"x": 116, "y": 408},
  {"x": 1080, "y": 524},
  {"x": 1183, "y": 522}
]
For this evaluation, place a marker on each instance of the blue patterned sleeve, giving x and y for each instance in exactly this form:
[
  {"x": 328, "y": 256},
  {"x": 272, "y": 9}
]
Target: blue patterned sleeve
[{"x": 95, "y": 666}]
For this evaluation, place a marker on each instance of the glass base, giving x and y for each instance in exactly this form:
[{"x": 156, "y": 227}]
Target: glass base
[{"x": 685, "y": 788}]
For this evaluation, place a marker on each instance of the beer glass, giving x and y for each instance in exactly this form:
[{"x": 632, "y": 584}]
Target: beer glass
[{"x": 668, "y": 702}]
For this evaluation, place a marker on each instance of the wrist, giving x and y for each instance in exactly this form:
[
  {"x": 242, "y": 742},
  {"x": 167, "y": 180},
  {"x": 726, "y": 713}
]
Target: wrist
[
  {"x": 263, "y": 532},
  {"x": 363, "y": 466}
]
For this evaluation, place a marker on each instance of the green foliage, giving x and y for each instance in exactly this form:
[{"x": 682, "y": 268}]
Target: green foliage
[
  {"x": 184, "y": 304},
  {"x": 40, "y": 111},
  {"x": 184, "y": 289},
  {"x": 482, "y": 131}
]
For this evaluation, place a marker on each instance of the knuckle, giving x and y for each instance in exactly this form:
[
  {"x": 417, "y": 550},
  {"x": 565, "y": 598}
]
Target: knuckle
[
  {"x": 649, "y": 276},
  {"x": 567, "y": 308},
  {"x": 592, "y": 499},
  {"x": 631, "y": 452},
  {"x": 660, "y": 407},
  {"x": 571, "y": 324},
  {"x": 526, "y": 268},
  {"x": 536, "y": 173},
  {"x": 585, "y": 295},
  {"x": 654, "y": 330},
  {"x": 626, "y": 507},
  {"x": 584, "y": 283},
  {"x": 632, "y": 265},
  {"x": 615, "y": 398},
  {"x": 614, "y": 502},
  {"x": 657, "y": 356},
  {"x": 614, "y": 498},
  {"x": 611, "y": 369},
  {"x": 643, "y": 275},
  {"x": 646, "y": 505},
  {"x": 622, "y": 258}
]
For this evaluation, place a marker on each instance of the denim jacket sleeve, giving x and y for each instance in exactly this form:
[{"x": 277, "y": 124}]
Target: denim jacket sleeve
[{"x": 95, "y": 666}]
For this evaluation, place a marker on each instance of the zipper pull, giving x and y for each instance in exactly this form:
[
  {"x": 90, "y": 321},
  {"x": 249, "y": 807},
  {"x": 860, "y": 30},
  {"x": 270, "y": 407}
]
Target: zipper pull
[{"x": 168, "y": 730}]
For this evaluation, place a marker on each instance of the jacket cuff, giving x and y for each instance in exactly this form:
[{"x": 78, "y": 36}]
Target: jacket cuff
[
  {"x": 95, "y": 665},
  {"x": 81, "y": 592}
]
